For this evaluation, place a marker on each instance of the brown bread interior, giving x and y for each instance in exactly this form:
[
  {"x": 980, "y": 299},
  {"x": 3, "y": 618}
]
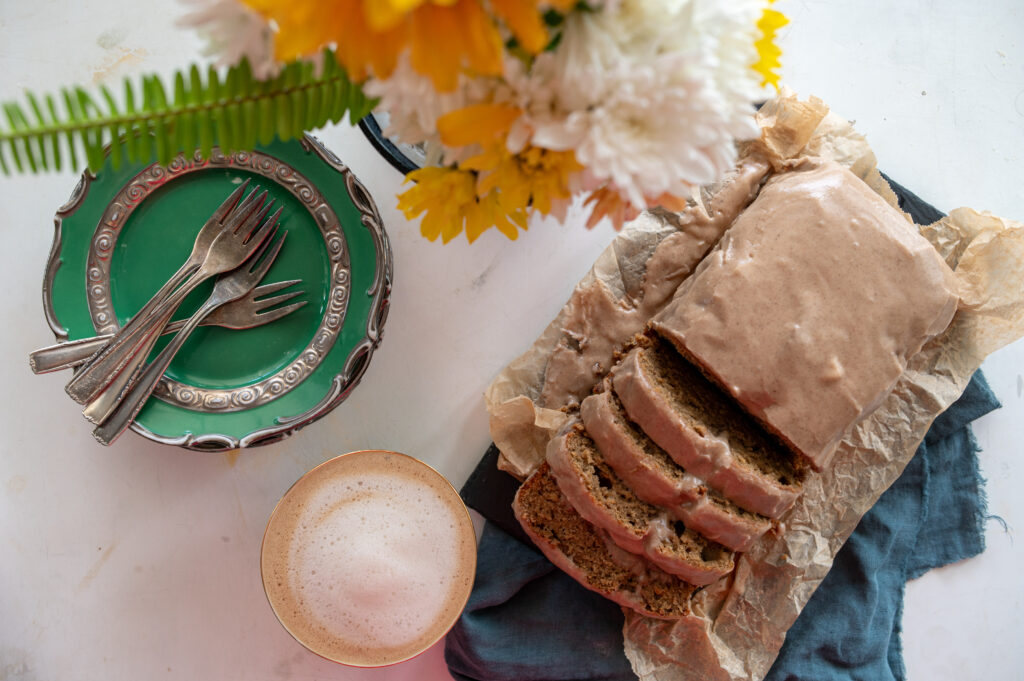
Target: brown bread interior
[
  {"x": 548, "y": 515},
  {"x": 705, "y": 407}
]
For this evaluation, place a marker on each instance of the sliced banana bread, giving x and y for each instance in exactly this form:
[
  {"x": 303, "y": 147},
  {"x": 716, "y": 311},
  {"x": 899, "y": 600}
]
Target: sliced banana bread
[
  {"x": 704, "y": 430},
  {"x": 579, "y": 549},
  {"x": 655, "y": 478},
  {"x": 597, "y": 494}
]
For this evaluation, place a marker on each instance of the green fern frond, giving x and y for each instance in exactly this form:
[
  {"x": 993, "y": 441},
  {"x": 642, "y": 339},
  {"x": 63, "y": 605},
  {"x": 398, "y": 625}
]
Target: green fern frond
[{"x": 234, "y": 111}]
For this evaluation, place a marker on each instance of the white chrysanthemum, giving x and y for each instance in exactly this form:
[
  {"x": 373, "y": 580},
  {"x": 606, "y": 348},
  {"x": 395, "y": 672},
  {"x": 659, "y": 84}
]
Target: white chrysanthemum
[
  {"x": 233, "y": 31},
  {"x": 656, "y": 133},
  {"x": 651, "y": 96},
  {"x": 733, "y": 31}
]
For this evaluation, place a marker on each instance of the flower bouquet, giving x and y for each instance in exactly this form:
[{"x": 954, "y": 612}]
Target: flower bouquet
[{"x": 520, "y": 106}]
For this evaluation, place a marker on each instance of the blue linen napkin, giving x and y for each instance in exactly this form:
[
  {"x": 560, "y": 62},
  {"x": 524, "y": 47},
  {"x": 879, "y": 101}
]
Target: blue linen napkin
[{"x": 528, "y": 621}]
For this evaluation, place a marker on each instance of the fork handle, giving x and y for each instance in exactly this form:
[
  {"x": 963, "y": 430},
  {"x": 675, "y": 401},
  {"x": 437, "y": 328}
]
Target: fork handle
[
  {"x": 72, "y": 353},
  {"x": 117, "y": 356},
  {"x": 66, "y": 355},
  {"x": 133, "y": 400},
  {"x": 102, "y": 405}
]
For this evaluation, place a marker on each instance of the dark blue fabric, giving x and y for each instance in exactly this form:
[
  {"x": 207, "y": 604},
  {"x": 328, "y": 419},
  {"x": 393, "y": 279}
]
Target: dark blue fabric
[{"x": 527, "y": 621}]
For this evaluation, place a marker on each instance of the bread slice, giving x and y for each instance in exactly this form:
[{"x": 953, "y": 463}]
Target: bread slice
[
  {"x": 597, "y": 494},
  {"x": 578, "y": 548},
  {"x": 704, "y": 430},
  {"x": 655, "y": 478}
]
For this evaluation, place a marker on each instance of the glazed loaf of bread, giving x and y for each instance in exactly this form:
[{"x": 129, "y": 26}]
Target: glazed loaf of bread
[
  {"x": 793, "y": 328},
  {"x": 810, "y": 306}
]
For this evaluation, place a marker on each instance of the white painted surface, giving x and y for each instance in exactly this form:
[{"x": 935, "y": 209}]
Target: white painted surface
[{"x": 141, "y": 562}]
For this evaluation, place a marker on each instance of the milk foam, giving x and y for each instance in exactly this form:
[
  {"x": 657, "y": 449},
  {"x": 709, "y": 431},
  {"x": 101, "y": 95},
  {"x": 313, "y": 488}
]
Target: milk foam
[
  {"x": 371, "y": 556},
  {"x": 366, "y": 561}
]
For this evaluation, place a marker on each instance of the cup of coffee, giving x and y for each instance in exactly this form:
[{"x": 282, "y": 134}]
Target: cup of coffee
[{"x": 369, "y": 558}]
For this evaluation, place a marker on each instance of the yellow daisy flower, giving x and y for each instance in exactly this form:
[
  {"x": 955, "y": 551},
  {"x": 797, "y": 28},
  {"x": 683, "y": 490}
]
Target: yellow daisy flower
[
  {"x": 494, "y": 187},
  {"x": 449, "y": 200},
  {"x": 529, "y": 180}
]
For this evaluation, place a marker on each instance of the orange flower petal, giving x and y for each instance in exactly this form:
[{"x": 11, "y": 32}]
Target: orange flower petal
[
  {"x": 477, "y": 124},
  {"x": 525, "y": 22}
]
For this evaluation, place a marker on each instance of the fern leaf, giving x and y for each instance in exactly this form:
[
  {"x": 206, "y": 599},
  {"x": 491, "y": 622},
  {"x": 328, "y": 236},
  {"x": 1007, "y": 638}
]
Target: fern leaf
[
  {"x": 92, "y": 136},
  {"x": 31, "y": 147},
  {"x": 39, "y": 142},
  {"x": 316, "y": 98},
  {"x": 180, "y": 94},
  {"x": 284, "y": 116},
  {"x": 341, "y": 98},
  {"x": 131, "y": 146},
  {"x": 11, "y": 120},
  {"x": 298, "y": 106},
  {"x": 159, "y": 103},
  {"x": 231, "y": 85},
  {"x": 115, "y": 128},
  {"x": 163, "y": 144},
  {"x": 245, "y": 80},
  {"x": 212, "y": 92},
  {"x": 234, "y": 118},
  {"x": 249, "y": 130},
  {"x": 327, "y": 103},
  {"x": 144, "y": 141},
  {"x": 185, "y": 132},
  {"x": 116, "y": 150},
  {"x": 232, "y": 110},
  {"x": 108, "y": 97},
  {"x": 51, "y": 107},
  {"x": 266, "y": 118},
  {"x": 205, "y": 127}
]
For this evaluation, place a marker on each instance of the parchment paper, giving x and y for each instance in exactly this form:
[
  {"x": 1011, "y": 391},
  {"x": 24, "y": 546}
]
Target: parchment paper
[{"x": 740, "y": 622}]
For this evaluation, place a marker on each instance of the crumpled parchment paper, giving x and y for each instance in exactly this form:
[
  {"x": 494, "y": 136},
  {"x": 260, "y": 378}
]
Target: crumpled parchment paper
[{"x": 740, "y": 622}]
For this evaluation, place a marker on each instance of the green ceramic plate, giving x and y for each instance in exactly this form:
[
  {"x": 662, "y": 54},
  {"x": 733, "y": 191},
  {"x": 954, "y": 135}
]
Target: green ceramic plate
[{"x": 124, "y": 232}]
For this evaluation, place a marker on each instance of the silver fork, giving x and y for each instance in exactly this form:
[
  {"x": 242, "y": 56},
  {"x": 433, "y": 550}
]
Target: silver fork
[
  {"x": 245, "y": 233},
  {"x": 229, "y": 247},
  {"x": 229, "y": 287},
  {"x": 245, "y": 313}
]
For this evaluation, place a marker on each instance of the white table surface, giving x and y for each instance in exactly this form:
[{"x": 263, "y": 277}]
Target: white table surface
[{"x": 141, "y": 562}]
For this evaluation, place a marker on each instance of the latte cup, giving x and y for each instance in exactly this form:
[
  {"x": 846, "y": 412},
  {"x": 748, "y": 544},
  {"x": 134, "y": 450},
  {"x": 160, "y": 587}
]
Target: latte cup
[{"x": 369, "y": 559}]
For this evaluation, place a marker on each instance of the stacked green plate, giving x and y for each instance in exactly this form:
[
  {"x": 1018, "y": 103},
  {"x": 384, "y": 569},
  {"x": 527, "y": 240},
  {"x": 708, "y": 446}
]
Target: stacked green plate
[{"x": 124, "y": 232}]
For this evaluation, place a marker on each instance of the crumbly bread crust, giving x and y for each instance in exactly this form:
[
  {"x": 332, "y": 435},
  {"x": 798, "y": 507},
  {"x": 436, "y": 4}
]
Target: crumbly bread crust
[
  {"x": 655, "y": 478},
  {"x": 597, "y": 494},
  {"x": 577, "y": 548},
  {"x": 704, "y": 431}
]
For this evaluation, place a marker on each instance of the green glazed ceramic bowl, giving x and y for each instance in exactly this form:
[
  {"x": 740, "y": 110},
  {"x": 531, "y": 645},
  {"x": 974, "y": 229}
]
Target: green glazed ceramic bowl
[{"x": 124, "y": 232}]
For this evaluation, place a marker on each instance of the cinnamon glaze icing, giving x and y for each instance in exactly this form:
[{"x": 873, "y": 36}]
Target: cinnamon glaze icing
[
  {"x": 810, "y": 305},
  {"x": 597, "y": 321}
]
